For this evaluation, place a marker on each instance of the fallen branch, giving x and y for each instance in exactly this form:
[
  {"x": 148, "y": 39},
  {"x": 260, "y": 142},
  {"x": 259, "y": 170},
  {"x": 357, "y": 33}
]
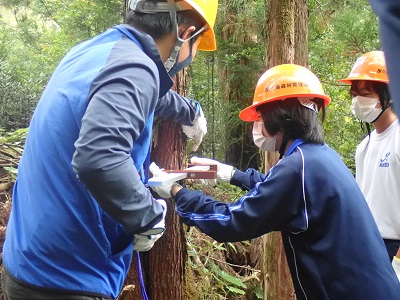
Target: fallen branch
[
  {"x": 126, "y": 291},
  {"x": 5, "y": 186}
]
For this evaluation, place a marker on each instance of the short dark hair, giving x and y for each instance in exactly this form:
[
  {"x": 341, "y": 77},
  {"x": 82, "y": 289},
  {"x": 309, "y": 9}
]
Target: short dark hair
[
  {"x": 294, "y": 120},
  {"x": 381, "y": 88},
  {"x": 159, "y": 25}
]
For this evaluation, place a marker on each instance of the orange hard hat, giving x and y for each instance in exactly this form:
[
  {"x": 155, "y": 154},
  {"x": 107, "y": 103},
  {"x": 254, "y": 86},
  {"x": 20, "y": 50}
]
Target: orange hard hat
[
  {"x": 370, "y": 66},
  {"x": 282, "y": 82},
  {"x": 208, "y": 10}
]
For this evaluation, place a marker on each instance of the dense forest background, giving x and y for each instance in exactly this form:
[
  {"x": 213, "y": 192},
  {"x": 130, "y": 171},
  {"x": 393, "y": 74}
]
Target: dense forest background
[{"x": 36, "y": 34}]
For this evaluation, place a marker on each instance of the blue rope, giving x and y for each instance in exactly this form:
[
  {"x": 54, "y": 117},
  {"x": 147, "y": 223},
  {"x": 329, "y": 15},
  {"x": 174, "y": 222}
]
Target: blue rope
[{"x": 140, "y": 276}]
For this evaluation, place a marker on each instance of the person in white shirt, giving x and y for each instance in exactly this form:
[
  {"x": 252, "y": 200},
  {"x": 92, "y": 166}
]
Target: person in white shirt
[{"x": 378, "y": 155}]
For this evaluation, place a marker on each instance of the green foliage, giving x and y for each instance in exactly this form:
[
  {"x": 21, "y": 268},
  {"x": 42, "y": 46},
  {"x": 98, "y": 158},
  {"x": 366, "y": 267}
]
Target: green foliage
[
  {"x": 15, "y": 137},
  {"x": 219, "y": 280},
  {"x": 207, "y": 258},
  {"x": 12, "y": 171},
  {"x": 83, "y": 19},
  {"x": 340, "y": 32},
  {"x": 16, "y": 99},
  {"x": 231, "y": 283},
  {"x": 224, "y": 81},
  {"x": 41, "y": 32},
  {"x": 259, "y": 293},
  {"x": 11, "y": 146}
]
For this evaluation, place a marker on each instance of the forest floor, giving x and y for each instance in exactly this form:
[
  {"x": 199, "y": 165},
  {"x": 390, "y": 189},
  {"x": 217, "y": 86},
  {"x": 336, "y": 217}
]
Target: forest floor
[{"x": 9, "y": 157}]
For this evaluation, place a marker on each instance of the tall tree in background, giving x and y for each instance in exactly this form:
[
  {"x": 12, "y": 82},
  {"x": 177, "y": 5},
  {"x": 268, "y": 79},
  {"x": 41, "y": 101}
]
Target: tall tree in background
[
  {"x": 168, "y": 259},
  {"x": 286, "y": 38},
  {"x": 239, "y": 62}
]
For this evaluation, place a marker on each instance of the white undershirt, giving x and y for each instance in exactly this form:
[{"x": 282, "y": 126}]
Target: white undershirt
[{"x": 378, "y": 175}]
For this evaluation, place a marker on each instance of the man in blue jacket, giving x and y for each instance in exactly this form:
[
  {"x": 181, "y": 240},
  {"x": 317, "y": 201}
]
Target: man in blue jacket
[{"x": 80, "y": 207}]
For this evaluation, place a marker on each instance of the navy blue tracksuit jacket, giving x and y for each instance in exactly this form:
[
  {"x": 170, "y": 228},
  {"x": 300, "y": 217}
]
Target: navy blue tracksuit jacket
[{"x": 332, "y": 244}]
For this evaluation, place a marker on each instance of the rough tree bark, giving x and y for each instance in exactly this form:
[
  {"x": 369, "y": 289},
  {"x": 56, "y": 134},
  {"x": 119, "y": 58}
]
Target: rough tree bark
[
  {"x": 286, "y": 37},
  {"x": 164, "y": 264},
  {"x": 235, "y": 84}
]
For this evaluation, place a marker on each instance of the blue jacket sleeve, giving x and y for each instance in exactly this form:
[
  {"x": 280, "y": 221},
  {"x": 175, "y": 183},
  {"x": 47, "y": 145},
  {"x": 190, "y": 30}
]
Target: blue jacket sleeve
[
  {"x": 246, "y": 180},
  {"x": 176, "y": 108},
  {"x": 121, "y": 99},
  {"x": 271, "y": 205}
]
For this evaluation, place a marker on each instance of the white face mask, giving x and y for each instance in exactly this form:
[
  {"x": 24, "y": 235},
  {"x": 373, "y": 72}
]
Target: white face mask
[
  {"x": 364, "y": 108},
  {"x": 261, "y": 141}
]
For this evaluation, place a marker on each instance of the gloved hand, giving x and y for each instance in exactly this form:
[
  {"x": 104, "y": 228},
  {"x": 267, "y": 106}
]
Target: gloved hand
[
  {"x": 145, "y": 241},
  {"x": 199, "y": 128},
  {"x": 396, "y": 266},
  {"x": 164, "y": 190},
  {"x": 224, "y": 172}
]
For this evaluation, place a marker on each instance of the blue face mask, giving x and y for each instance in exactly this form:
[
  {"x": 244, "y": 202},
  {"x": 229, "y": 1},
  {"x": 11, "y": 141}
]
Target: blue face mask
[{"x": 178, "y": 66}]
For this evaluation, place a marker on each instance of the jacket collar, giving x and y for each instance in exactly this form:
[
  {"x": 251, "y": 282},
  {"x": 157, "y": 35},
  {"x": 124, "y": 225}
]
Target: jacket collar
[{"x": 150, "y": 49}]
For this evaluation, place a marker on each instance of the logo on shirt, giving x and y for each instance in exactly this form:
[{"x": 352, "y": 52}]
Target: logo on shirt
[{"x": 384, "y": 162}]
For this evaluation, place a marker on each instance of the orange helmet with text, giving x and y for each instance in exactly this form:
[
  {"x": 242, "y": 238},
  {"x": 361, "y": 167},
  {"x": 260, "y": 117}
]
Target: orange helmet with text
[
  {"x": 370, "y": 66},
  {"x": 282, "y": 82}
]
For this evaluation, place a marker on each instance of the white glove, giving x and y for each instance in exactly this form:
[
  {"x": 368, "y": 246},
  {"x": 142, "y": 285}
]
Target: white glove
[
  {"x": 145, "y": 241},
  {"x": 224, "y": 172},
  {"x": 396, "y": 266},
  {"x": 198, "y": 130},
  {"x": 164, "y": 190}
]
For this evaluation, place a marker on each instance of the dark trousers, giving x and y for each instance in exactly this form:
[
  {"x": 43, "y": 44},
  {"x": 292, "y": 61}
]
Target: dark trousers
[
  {"x": 392, "y": 246},
  {"x": 13, "y": 290}
]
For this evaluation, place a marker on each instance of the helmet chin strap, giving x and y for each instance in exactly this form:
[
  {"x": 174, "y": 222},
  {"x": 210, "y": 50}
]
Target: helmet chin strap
[
  {"x": 171, "y": 7},
  {"x": 180, "y": 65},
  {"x": 283, "y": 148},
  {"x": 169, "y": 63},
  {"x": 384, "y": 108},
  {"x": 285, "y": 140}
]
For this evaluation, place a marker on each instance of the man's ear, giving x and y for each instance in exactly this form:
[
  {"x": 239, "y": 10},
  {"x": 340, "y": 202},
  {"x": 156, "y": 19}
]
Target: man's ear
[{"x": 186, "y": 32}]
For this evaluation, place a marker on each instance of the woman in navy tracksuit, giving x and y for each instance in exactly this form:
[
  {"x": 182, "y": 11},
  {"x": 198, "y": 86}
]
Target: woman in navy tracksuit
[{"x": 310, "y": 196}]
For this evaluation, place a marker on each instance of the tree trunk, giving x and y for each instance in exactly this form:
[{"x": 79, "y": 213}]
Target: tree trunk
[
  {"x": 237, "y": 32},
  {"x": 279, "y": 46},
  {"x": 301, "y": 32},
  {"x": 164, "y": 265},
  {"x": 286, "y": 42},
  {"x": 168, "y": 257}
]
